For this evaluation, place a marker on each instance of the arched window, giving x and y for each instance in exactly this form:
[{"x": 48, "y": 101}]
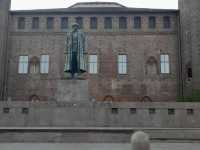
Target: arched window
[
  {"x": 34, "y": 98},
  {"x": 151, "y": 66},
  {"x": 146, "y": 99},
  {"x": 34, "y": 65},
  {"x": 108, "y": 98}
]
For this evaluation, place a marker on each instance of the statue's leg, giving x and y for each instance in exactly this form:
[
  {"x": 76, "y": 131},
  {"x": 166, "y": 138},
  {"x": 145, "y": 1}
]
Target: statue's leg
[
  {"x": 72, "y": 75},
  {"x": 74, "y": 64}
]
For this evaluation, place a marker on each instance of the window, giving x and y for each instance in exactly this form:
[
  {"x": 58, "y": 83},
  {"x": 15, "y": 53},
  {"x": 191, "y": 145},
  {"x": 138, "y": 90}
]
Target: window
[
  {"x": 35, "y": 23},
  {"x": 122, "y": 23},
  {"x": 122, "y": 64},
  {"x": 93, "y": 60},
  {"x": 108, "y": 23},
  {"x": 190, "y": 111},
  {"x": 44, "y": 64},
  {"x": 189, "y": 72},
  {"x": 167, "y": 22},
  {"x": 152, "y": 111},
  {"x": 34, "y": 65},
  {"x": 151, "y": 66},
  {"x": 64, "y": 23},
  {"x": 164, "y": 63},
  {"x": 133, "y": 110},
  {"x": 137, "y": 22},
  {"x": 79, "y": 20},
  {"x": 171, "y": 111},
  {"x": 33, "y": 68},
  {"x": 23, "y": 65},
  {"x": 115, "y": 111},
  {"x": 93, "y": 23},
  {"x": 152, "y": 22},
  {"x": 50, "y": 23},
  {"x": 6, "y": 110},
  {"x": 21, "y": 23},
  {"x": 25, "y": 110}
]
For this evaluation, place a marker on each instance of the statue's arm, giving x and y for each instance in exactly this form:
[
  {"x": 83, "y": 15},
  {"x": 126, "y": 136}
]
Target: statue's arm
[
  {"x": 67, "y": 44},
  {"x": 84, "y": 45},
  {"x": 65, "y": 51}
]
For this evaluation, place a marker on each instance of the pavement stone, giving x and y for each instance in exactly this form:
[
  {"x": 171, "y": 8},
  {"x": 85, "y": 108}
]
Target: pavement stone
[{"x": 95, "y": 146}]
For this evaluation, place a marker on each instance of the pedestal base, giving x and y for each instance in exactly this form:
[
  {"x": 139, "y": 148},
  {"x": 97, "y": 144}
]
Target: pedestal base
[{"x": 72, "y": 90}]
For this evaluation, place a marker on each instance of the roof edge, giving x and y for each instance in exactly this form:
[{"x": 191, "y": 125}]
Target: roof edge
[
  {"x": 97, "y": 2},
  {"x": 106, "y": 10}
]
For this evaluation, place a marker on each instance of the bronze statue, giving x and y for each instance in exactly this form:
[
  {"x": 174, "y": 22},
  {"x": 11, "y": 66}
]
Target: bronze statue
[{"x": 75, "y": 52}]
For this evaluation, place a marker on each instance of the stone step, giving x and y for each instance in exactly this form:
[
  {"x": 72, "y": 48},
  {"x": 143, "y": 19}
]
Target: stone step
[
  {"x": 94, "y": 134},
  {"x": 95, "y": 146}
]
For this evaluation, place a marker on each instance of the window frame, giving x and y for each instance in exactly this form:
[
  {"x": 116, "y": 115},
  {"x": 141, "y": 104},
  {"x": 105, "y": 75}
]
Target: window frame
[
  {"x": 152, "y": 22},
  {"x": 50, "y": 26},
  {"x": 64, "y": 23},
  {"x": 122, "y": 63},
  {"x": 167, "y": 22},
  {"x": 108, "y": 26},
  {"x": 35, "y": 23},
  {"x": 135, "y": 23},
  {"x": 165, "y": 63},
  {"x": 90, "y": 63},
  {"x": 123, "y": 24},
  {"x": 23, "y": 65},
  {"x": 81, "y": 23},
  {"x": 43, "y": 64},
  {"x": 21, "y": 23},
  {"x": 93, "y": 26}
]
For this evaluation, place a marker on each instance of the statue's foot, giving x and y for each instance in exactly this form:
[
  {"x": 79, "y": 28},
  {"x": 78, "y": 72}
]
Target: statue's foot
[{"x": 74, "y": 75}]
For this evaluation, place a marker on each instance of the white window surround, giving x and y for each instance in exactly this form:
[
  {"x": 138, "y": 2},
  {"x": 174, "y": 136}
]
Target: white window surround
[
  {"x": 164, "y": 64},
  {"x": 44, "y": 64},
  {"x": 122, "y": 64},
  {"x": 23, "y": 65},
  {"x": 93, "y": 64}
]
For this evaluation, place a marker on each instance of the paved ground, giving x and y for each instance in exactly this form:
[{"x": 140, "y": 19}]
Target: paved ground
[{"x": 58, "y": 146}]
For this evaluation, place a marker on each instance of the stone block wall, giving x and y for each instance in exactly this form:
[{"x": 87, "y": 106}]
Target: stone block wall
[
  {"x": 139, "y": 45},
  {"x": 190, "y": 46},
  {"x": 99, "y": 114},
  {"x": 4, "y": 15}
]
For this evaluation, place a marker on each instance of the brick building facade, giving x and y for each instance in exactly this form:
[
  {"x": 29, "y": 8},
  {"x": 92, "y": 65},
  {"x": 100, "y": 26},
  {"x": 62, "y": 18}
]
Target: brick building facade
[{"x": 134, "y": 54}]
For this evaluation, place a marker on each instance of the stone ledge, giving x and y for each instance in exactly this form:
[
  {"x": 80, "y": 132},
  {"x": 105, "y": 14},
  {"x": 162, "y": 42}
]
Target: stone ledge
[
  {"x": 96, "y": 128},
  {"x": 93, "y": 134}
]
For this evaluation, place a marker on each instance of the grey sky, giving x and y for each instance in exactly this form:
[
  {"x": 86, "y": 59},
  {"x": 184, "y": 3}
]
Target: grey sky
[{"x": 43, "y": 4}]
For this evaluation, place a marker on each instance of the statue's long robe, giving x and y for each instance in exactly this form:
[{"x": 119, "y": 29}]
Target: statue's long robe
[{"x": 81, "y": 55}]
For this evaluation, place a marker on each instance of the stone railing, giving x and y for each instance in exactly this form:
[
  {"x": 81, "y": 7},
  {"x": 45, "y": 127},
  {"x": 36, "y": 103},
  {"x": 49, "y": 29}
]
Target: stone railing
[{"x": 100, "y": 114}]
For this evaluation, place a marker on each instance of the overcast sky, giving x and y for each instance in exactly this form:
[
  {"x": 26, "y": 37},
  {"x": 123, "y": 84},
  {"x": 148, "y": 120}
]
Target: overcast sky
[{"x": 43, "y": 4}]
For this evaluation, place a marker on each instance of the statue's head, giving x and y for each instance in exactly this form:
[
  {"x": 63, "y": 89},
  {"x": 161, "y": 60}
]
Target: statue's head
[{"x": 75, "y": 26}]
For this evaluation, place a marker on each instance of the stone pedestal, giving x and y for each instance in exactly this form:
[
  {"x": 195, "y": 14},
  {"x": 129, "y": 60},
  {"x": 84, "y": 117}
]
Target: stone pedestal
[{"x": 72, "y": 90}]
